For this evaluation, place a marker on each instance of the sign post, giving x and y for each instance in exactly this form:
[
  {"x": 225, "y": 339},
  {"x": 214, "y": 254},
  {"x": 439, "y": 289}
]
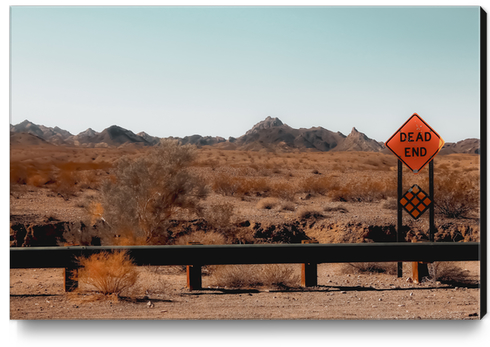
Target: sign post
[{"x": 415, "y": 144}]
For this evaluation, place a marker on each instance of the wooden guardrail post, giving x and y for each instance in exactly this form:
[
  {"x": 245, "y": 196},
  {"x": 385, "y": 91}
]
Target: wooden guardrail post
[
  {"x": 194, "y": 279},
  {"x": 419, "y": 271},
  {"x": 309, "y": 271}
]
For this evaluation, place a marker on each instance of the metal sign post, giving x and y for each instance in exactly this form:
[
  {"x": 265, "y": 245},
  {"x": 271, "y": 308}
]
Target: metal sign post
[
  {"x": 415, "y": 144},
  {"x": 399, "y": 221},
  {"x": 432, "y": 226}
]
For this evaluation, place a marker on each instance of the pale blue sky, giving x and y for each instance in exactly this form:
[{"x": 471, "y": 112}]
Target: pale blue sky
[{"x": 177, "y": 71}]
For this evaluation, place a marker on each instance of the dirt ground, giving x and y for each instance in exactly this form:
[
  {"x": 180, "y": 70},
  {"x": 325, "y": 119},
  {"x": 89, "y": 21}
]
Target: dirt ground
[
  {"x": 341, "y": 294},
  {"x": 37, "y": 294}
]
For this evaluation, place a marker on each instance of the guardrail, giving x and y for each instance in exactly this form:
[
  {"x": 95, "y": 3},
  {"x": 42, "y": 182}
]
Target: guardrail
[{"x": 194, "y": 256}]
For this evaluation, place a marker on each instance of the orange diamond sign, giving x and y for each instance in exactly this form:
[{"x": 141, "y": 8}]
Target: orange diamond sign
[
  {"x": 415, "y": 201},
  {"x": 415, "y": 143}
]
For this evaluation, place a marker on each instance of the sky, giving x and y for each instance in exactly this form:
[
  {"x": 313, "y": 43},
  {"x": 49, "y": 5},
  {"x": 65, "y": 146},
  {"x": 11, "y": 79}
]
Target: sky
[{"x": 217, "y": 71}]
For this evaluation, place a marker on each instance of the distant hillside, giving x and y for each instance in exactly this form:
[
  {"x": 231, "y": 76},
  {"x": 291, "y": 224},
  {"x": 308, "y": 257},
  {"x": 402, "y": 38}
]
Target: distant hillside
[
  {"x": 466, "y": 146},
  {"x": 357, "y": 141},
  {"x": 271, "y": 134},
  {"x": 27, "y": 139}
]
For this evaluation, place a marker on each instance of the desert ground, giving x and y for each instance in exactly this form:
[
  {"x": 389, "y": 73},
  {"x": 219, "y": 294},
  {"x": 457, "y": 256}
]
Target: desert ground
[{"x": 329, "y": 197}]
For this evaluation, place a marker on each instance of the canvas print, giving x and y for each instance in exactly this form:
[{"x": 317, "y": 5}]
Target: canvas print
[{"x": 218, "y": 163}]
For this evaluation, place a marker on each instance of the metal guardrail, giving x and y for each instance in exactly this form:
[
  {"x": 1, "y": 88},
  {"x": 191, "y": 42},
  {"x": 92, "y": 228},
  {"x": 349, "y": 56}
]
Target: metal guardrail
[
  {"x": 194, "y": 256},
  {"x": 62, "y": 257}
]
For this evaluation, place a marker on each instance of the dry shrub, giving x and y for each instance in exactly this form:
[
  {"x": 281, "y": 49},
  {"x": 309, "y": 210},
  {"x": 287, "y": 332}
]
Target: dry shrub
[
  {"x": 226, "y": 184},
  {"x": 287, "y": 206},
  {"x": 335, "y": 209},
  {"x": 362, "y": 190},
  {"x": 65, "y": 184},
  {"x": 32, "y": 174},
  {"x": 125, "y": 236},
  {"x": 95, "y": 211},
  {"x": 88, "y": 179},
  {"x": 254, "y": 186},
  {"x": 108, "y": 273},
  {"x": 307, "y": 213},
  {"x": 448, "y": 272},
  {"x": 148, "y": 190},
  {"x": 249, "y": 276},
  {"x": 203, "y": 237},
  {"x": 18, "y": 173},
  {"x": 80, "y": 234},
  {"x": 317, "y": 185},
  {"x": 230, "y": 185},
  {"x": 219, "y": 215},
  {"x": 267, "y": 203},
  {"x": 370, "y": 267},
  {"x": 150, "y": 281},
  {"x": 37, "y": 180},
  {"x": 456, "y": 195},
  {"x": 284, "y": 190}
]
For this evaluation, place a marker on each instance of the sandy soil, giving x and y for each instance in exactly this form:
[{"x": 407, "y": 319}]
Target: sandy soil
[{"x": 38, "y": 294}]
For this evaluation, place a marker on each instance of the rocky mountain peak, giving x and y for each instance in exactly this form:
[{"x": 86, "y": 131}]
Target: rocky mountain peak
[{"x": 267, "y": 123}]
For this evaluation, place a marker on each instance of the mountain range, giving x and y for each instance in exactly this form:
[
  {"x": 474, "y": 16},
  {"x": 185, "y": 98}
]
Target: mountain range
[{"x": 269, "y": 134}]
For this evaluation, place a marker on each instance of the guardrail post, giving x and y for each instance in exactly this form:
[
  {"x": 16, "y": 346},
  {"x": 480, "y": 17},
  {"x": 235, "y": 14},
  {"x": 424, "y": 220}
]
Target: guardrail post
[
  {"x": 419, "y": 268},
  {"x": 309, "y": 271},
  {"x": 194, "y": 279},
  {"x": 71, "y": 279},
  {"x": 419, "y": 271}
]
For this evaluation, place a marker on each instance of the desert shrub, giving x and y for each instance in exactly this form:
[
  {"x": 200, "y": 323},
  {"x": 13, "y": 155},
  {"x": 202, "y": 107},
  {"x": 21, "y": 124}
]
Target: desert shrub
[
  {"x": 335, "y": 209},
  {"x": 267, "y": 203},
  {"x": 254, "y": 186},
  {"x": 88, "y": 179},
  {"x": 362, "y": 190},
  {"x": 81, "y": 234},
  {"x": 95, "y": 211},
  {"x": 219, "y": 215},
  {"x": 287, "y": 206},
  {"x": 317, "y": 185},
  {"x": 456, "y": 195},
  {"x": 307, "y": 213},
  {"x": 37, "y": 180},
  {"x": 226, "y": 184},
  {"x": 284, "y": 190},
  {"x": 203, "y": 237},
  {"x": 65, "y": 184},
  {"x": 269, "y": 275},
  {"x": 18, "y": 173},
  {"x": 108, "y": 273},
  {"x": 447, "y": 272},
  {"x": 148, "y": 190},
  {"x": 32, "y": 174},
  {"x": 370, "y": 267}
]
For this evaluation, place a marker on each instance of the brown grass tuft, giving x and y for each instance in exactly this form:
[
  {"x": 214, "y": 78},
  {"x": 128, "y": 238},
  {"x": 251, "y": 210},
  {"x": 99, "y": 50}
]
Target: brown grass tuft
[
  {"x": 370, "y": 267},
  {"x": 108, "y": 273},
  {"x": 269, "y": 275},
  {"x": 203, "y": 237},
  {"x": 267, "y": 203}
]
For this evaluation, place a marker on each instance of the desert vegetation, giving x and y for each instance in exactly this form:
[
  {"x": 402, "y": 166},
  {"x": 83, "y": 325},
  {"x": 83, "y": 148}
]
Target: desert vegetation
[
  {"x": 173, "y": 194},
  {"x": 107, "y": 273}
]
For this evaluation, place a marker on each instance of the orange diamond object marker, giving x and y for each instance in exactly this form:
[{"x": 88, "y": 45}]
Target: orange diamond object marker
[
  {"x": 415, "y": 143},
  {"x": 417, "y": 204}
]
